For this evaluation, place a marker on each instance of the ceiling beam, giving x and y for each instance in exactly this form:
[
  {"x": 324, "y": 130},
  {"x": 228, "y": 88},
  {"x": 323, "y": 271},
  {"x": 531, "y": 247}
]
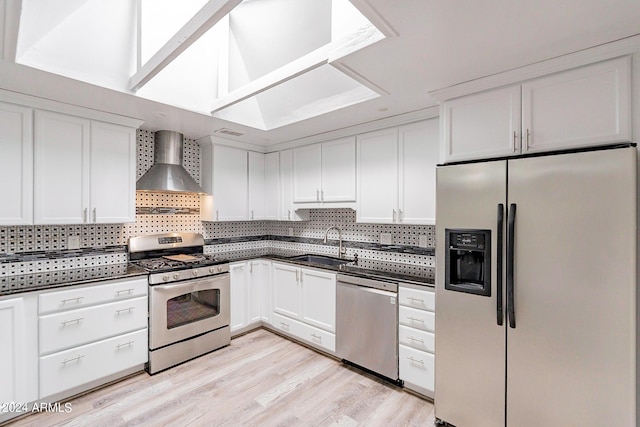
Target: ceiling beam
[
  {"x": 11, "y": 20},
  {"x": 207, "y": 17}
]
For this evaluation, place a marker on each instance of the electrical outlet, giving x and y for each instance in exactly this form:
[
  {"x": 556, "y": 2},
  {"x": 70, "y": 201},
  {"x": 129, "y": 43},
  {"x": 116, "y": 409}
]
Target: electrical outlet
[
  {"x": 290, "y": 231},
  {"x": 73, "y": 242},
  {"x": 423, "y": 241},
  {"x": 385, "y": 238}
]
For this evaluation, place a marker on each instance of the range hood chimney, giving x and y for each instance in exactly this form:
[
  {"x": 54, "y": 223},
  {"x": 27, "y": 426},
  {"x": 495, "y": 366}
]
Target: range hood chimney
[{"x": 167, "y": 174}]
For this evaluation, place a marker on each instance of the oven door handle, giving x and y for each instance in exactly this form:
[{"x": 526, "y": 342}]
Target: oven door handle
[{"x": 190, "y": 285}]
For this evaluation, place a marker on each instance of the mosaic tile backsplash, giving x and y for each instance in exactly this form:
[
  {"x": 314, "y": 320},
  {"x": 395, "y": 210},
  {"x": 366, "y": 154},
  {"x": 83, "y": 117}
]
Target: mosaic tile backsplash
[{"x": 160, "y": 213}]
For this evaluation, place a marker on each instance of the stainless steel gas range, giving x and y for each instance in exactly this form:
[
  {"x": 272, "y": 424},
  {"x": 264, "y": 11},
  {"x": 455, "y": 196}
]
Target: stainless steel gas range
[{"x": 188, "y": 297}]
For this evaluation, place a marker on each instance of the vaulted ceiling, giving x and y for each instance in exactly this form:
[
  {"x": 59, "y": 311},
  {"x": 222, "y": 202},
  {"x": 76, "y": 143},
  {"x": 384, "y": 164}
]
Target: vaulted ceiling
[{"x": 433, "y": 44}]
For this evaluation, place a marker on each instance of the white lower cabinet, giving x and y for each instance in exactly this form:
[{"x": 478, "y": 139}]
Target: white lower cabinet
[
  {"x": 250, "y": 294},
  {"x": 90, "y": 334},
  {"x": 18, "y": 352},
  {"x": 416, "y": 338},
  {"x": 304, "y": 304}
]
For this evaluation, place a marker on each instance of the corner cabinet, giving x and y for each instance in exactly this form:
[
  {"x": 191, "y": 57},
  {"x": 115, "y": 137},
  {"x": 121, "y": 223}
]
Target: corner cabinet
[
  {"x": 250, "y": 295},
  {"x": 582, "y": 107},
  {"x": 396, "y": 174},
  {"x": 84, "y": 170},
  {"x": 16, "y": 165}
]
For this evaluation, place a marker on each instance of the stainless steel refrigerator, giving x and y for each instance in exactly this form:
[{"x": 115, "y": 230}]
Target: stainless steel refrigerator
[{"x": 536, "y": 291}]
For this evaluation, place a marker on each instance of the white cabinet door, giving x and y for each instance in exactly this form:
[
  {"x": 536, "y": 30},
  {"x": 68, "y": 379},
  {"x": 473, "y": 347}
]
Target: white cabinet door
[
  {"x": 238, "y": 295},
  {"x": 578, "y": 108},
  {"x": 418, "y": 156},
  {"x": 230, "y": 184},
  {"x": 272, "y": 186},
  {"x": 319, "y": 299},
  {"x": 256, "y": 185},
  {"x": 287, "y": 208},
  {"x": 264, "y": 271},
  {"x": 481, "y": 125},
  {"x": 61, "y": 164},
  {"x": 19, "y": 350},
  {"x": 254, "y": 292},
  {"x": 285, "y": 284},
  {"x": 377, "y": 166},
  {"x": 16, "y": 165},
  {"x": 307, "y": 173},
  {"x": 113, "y": 173},
  {"x": 339, "y": 171}
]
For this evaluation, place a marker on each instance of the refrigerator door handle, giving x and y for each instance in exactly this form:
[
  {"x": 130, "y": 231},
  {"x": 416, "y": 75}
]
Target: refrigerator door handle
[
  {"x": 510, "y": 261},
  {"x": 500, "y": 226}
]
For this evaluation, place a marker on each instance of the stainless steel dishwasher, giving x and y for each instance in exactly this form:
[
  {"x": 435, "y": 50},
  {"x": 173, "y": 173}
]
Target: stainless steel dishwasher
[{"x": 367, "y": 324}]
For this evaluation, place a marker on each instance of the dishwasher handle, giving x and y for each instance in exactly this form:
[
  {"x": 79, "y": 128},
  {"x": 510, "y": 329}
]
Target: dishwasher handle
[{"x": 369, "y": 283}]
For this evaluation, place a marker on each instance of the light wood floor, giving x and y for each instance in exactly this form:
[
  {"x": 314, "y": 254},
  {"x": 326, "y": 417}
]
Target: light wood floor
[{"x": 261, "y": 379}]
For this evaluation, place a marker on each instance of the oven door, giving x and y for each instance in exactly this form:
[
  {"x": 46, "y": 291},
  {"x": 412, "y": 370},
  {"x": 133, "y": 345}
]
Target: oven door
[{"x": 182, "y": 310}]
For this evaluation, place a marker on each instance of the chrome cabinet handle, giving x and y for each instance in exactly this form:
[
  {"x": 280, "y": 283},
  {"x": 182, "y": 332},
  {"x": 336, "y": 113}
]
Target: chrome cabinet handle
[
  {"x": 128, "y": 291},
  {"x": 128, "y": 310},
  {"x": 528, "y": 134},
  {"x": 416, "y": 339},
  {"x": 322, "y": 195},
  {"x": 250, "y": 267},
  {"x": 127, "y": 344},
  {"x": 394, "y": 215},
  {"x": 75, "y": 359},
  {"x": 78, "y": 320},
  {"x": 84, "y": 215},
  {"x": 421, "y": 301},
  {"x": 77, "y": 299},
  {"x": 251, "y": 213},
  {"x": 284, "y": 325},
  {"x": 515, "y": 137},
  {"x": 415, "y": 360},
  {"x": 289, "y": 215},
  {"x": 94, "y": 214},
  {"x": 416, "y": 320},
  {"x": 318, "y": 337},
  {"x": 217, "y": 215},
  {"x": 317, "y": 195},
  {"x": 400, "y": 215},
  {"x": 297, "y": 275}
]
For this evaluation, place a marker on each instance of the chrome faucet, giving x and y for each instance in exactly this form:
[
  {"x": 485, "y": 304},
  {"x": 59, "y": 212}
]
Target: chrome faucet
[{"x": 341, "y": 249}]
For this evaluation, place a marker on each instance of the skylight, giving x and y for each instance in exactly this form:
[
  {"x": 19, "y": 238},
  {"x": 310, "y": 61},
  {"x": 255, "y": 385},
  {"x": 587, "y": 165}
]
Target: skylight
[{"x": 259, "y": 63}]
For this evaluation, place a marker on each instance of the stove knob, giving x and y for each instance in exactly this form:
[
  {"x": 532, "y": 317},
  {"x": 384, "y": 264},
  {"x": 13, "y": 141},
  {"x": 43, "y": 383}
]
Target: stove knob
[
  {"x": 212, "y": 270},
  {"x": 176, "y": 276},
  {"x": 194, "y": 272},
  {"x": 165, "y": 278},
  {"x": 219, "y": 269}
]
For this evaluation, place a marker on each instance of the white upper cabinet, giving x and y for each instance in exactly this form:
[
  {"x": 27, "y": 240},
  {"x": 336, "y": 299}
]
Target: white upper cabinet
[
  {"x": 396, "y": 174},
  {"x": 578, "y": 108},
  {"x": 256, "y": 185},
  {"x": 112, "y": 173},
  {"x": 61, "y": 166},
  {"x": 84, "y": 171},
  {"x": 482, "y": 125},
  {"x": 288, "y": 210},
  {"x": 272, "y": 186},
  {"x": 225, "y": 175},
  {"x": 16, "y": 164},
  {"x": 582, "y": 107},
  {"x": 378, "y": 176},
  {"x": 418, "y": 157},
  {"x": 325, "y": 173}
]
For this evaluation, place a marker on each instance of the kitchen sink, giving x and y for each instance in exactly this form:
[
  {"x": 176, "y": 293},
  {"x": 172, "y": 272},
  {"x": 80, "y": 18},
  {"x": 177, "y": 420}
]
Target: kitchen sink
[{"x": 320, "y": 260}]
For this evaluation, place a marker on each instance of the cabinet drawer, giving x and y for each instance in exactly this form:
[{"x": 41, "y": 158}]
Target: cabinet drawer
[
  {"x": 416, "y": 369},
  {"x": 76, "y": 327},
  {"x": 415, "y": 318},
  {"x": 316, "y": 337},
  {"x": 416, "y": 338},
  {"x": 416, "y": 298},
  {"x": 91, "y": 295},
  {"x": 71, "y": 368}
]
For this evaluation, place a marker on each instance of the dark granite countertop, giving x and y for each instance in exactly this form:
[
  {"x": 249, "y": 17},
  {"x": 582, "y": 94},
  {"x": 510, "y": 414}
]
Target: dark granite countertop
[
  {"x": 367, "y": 268},
  {"x": 59, "y": 278}
]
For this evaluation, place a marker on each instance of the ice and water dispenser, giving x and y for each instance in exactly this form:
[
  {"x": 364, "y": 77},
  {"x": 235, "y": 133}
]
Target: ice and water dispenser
[{"x": 468, "y": 261}]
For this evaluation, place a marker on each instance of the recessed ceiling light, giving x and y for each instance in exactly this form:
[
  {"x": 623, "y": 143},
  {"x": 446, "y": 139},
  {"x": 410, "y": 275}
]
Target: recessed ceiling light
[{"x": 383, "y": 109}]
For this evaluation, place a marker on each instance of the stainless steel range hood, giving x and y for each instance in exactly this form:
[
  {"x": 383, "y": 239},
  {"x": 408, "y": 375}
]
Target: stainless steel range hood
[{"x": 167, "y": 174}]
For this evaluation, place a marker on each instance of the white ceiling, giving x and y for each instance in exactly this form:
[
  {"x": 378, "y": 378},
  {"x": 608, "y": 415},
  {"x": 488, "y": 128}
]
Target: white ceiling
[{"x": 440, "y": 43}]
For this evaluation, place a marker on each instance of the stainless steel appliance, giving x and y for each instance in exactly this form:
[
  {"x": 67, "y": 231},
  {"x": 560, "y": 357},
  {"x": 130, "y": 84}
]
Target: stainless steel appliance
[
  {"x": 536, "y": 291},
  {"x": 367, "y": 324},
  {"x": 188, "y": 297}
]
